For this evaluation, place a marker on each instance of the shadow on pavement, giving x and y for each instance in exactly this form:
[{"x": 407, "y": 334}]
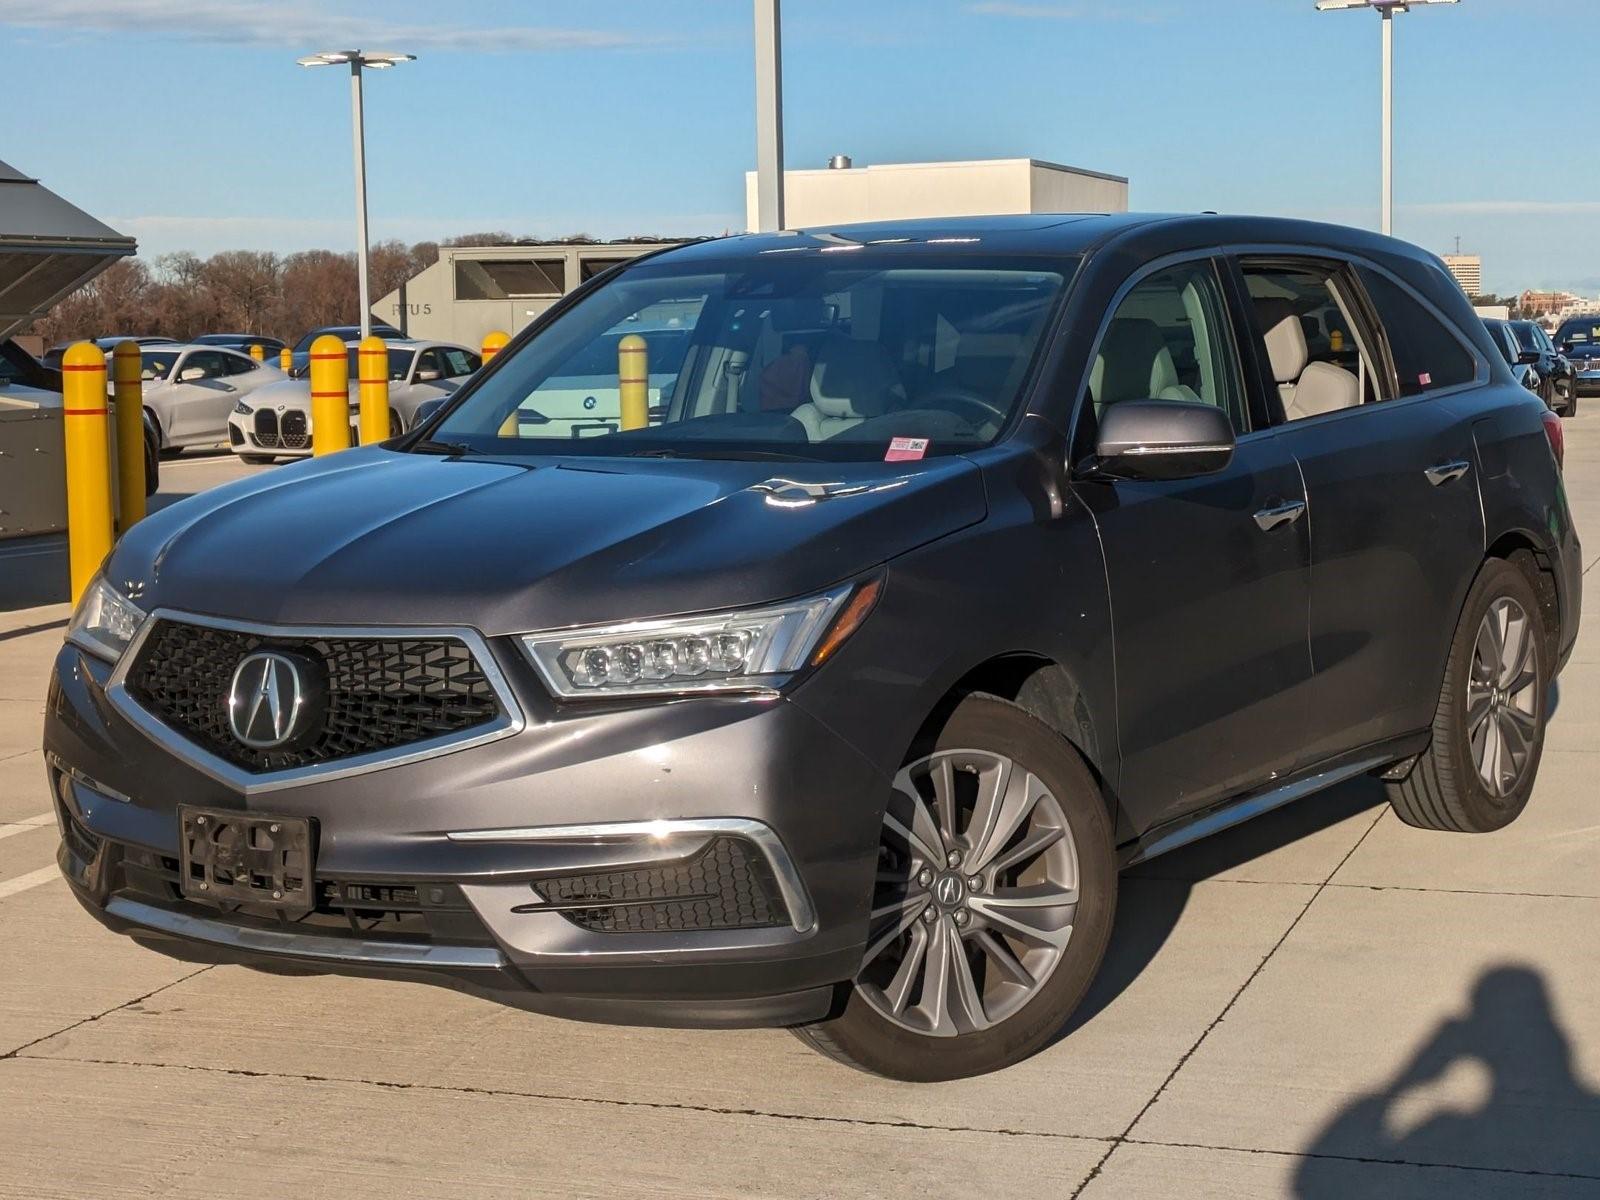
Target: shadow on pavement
[
  {"x": 1527, "y": 1110},
  {"x": 1153, "y": 896}
]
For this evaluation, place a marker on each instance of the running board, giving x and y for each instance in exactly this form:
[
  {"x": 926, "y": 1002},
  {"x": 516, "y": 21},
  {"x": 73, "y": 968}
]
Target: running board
[{"x": 1237, "y": 811}]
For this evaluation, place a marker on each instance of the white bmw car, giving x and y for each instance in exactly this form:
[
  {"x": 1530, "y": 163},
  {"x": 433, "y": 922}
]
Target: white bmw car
[
  {"x": 189, "y": 391},
  {"x": 275, "y": 422}
]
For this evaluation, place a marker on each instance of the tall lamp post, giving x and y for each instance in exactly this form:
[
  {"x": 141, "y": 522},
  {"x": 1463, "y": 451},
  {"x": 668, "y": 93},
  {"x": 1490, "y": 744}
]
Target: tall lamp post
[
  {"x": 1386, "y": 9},
  {"x": 358, "y": 60}
]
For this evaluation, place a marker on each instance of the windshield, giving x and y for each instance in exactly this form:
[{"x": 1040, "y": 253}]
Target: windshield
[
  {"x": 817, "y": 354},
  {"x": 1579, "y": 332},
  {"x": 157, "y": 364}
]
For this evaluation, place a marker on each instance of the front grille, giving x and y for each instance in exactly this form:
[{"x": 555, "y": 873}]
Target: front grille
[
  {"x": 727, "y": 884},
  {"x": 267, "y": 428},
  {"x": 295, "y": 430},
  {"x": 382, "y": 692},
  {"x": 83, "y": 844}
]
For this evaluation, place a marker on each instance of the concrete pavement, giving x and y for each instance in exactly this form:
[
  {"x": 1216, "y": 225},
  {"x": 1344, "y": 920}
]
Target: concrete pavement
[{"x": 1322, "y": 1003}]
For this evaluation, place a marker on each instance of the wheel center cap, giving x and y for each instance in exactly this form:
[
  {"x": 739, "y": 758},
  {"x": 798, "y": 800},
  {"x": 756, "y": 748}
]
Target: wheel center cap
[{"x": 950, "y": 890}]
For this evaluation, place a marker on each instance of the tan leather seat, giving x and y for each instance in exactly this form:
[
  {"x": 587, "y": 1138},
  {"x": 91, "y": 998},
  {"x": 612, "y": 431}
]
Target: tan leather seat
[
  {"x": 1308, "y": 389},
  {"x": 850, "y": 381},
  {"x": 1134, "y": 363}
]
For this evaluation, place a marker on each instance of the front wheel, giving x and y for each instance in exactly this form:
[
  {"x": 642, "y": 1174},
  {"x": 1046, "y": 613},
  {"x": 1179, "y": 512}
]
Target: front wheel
[
  {"x": 993, "y": 903},
  {"x": 1488, "y": 730}
]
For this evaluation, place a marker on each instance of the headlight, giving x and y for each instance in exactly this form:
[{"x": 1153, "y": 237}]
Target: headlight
[
  {"x": 104, "y": 621},
  {"x": 243, "y": 408},
  {"x": 756, "y": 649}
]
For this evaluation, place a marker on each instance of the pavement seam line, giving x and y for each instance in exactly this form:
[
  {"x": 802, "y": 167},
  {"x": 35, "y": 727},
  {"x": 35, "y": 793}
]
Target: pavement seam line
[
  {"x": 556, "y": 1097},
  {"x": 18, "y": 1052},
  {"x": 1374, "y": 887},
  {"x": 1358, "y": 1158},
  {"x": 1183, "y": 1060}
]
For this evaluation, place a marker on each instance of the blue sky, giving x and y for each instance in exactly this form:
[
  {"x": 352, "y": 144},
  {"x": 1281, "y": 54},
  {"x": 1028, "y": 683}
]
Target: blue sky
[{"x": 186, "y": 122}]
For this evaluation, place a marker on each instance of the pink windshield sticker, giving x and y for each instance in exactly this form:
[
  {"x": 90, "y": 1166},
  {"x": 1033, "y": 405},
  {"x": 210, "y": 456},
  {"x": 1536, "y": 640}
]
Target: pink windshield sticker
[
  {"x": 1425, "y": 379},
  {"x": 903, "y": 449}
]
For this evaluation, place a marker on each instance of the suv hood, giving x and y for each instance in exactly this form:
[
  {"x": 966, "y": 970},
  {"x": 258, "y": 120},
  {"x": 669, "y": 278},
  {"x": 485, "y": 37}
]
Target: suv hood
[{"x": 376, "y": 537}]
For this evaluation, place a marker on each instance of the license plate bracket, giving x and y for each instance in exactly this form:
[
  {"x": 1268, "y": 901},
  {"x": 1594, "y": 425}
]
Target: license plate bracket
[{"x": 231, "y": 857}]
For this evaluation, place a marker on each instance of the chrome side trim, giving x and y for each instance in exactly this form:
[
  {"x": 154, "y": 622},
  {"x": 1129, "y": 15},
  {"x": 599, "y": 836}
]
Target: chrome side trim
[
  {"x": 88, "y": 781},
  {"x": 510, "y": 721},
  {"x": 1239, "y": 811},
  {"x": 304, "y": 945},
  {"x": 793, "y": 889}
]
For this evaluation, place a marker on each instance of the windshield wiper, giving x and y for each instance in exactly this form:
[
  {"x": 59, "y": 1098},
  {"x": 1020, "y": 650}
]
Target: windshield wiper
[
  {"x": 429, "y": 446},
  {"x": 753, "y": 455}
]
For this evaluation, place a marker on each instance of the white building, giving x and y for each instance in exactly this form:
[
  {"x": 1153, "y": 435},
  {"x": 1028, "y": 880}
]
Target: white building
[
  {"x": 1468, "y": 270},
  {"x": 846, "y": 194}
]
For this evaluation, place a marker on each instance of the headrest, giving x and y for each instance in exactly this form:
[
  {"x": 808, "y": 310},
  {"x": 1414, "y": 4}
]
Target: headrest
[
  {"x": 1134, "y": 362},
  {"x": 1285, "y": 338},
  {"x": 853, "y": 378}
]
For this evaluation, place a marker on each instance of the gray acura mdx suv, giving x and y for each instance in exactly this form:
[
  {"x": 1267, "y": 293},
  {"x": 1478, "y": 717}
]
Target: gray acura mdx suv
[{"x": 804, "y": 629}]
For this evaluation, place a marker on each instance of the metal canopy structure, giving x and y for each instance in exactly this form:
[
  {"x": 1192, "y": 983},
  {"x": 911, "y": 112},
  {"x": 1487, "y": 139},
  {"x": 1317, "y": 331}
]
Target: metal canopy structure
[{"x": 47, "y": 248}]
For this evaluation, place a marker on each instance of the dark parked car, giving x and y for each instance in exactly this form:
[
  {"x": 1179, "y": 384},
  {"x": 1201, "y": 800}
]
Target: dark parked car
[
  {"x": 1523, "y": 363},
  {"x": 960, "y": 565},
  {"x": 1579, "y": 339},
  {"x": 301, "y": 351},
  {"x": 242, "y": 342},
  {"x": 1558, "y": 382}
]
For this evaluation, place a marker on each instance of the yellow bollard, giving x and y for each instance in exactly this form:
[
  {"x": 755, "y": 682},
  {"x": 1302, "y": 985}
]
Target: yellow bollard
[
  {"x": 372, "y": 371},
  {"x": 493, "y": 342},
  {"x": 285, "y": 360},
  {"x": 88, "y": 444},
  {"x": 127, "y": 367},
  {"x": 633, "y": 380},
  {"x": 330, "y": 395},
  {"x": 259, "y": 353}
]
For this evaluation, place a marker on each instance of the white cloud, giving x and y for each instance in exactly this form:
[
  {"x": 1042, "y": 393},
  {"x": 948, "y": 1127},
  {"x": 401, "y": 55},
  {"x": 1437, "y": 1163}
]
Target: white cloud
[{"x": 296, "y": 23}]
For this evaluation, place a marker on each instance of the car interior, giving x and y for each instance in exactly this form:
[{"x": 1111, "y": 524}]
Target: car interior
[{"x": 1313, "y": 344}]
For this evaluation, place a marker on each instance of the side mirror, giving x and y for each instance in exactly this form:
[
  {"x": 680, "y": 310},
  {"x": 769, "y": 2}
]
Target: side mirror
[
  {"x": 1162, "y": 439},
  {"x": 190, "y": 374},
  {"x": 429, "y": 375},
  {"x": 1528, "y": 358}
]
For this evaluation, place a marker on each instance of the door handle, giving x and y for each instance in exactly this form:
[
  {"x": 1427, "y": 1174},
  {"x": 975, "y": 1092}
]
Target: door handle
[
  {"x": 1287, "y": 513},
  {"x": 1446, "y": 471}
]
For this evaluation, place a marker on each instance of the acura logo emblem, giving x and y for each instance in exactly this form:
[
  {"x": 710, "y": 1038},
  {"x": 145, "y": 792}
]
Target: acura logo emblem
[
  {"x": 949, "y": 890},
  {"x": 266, "y": 699}
]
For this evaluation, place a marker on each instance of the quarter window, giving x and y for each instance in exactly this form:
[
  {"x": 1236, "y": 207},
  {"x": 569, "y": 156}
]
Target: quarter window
[
  {"x": 1170, "y": 340},
  {"x": 1427, "y": 356}
]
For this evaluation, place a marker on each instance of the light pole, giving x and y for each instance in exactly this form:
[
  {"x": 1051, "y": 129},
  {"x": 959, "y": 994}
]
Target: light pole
[
  {"x": 377, "y": 62},
  {"x": 769, "y": 116},
  {"x": 1386, "y": 9}
]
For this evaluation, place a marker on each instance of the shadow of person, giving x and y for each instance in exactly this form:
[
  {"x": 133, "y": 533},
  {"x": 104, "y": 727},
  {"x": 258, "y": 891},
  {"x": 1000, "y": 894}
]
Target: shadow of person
[{"x": 1493, "y": 1089}]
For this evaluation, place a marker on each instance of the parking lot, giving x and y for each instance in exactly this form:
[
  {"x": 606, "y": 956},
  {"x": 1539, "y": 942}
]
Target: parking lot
[{"x": 1323, "y": 1003}]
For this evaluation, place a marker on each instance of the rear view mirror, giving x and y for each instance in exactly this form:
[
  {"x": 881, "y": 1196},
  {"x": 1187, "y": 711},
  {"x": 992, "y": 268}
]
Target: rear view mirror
[{"x": 1162, "y": 439}]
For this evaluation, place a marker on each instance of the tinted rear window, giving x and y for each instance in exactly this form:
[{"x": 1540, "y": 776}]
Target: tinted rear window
[{"x": 1427, "y": 356}]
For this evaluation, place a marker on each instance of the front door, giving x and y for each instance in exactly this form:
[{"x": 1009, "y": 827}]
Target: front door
[{"x": 1208, "y": 577}]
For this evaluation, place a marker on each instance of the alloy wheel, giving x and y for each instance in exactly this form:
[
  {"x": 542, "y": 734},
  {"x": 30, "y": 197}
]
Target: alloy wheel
[
  {"x": 1502, "y": 696},
  {"x": 976, "y": 895}
]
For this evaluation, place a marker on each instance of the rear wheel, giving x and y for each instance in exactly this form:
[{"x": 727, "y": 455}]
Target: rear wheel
[
  {"x": 995, "y": 893},
  {"x": 1488, "y": 731}
]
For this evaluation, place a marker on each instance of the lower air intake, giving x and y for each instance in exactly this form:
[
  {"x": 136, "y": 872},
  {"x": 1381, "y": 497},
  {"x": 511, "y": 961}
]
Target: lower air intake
[{"x": 726, "y": 884}]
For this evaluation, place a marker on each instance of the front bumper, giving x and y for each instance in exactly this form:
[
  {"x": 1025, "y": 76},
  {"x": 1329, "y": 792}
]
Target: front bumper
[{"x": 471, "y": 839}]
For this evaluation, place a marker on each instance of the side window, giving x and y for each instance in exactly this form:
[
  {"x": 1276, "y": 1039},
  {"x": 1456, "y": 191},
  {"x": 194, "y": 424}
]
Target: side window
[
  {"x": 430, "y": 366},
  {"x": 1169, "y": 340},
  {"x": 1427, "y": 356},
  {"x": 238, "y": 364},
  {"x": 208, "y": 361},
  {"x": 457, "y": 363},
  {"x": 1316, "y": 349}
]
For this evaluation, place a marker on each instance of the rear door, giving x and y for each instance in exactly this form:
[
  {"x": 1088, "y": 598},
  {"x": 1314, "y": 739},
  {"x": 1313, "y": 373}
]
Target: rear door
[
  {"x": 1377, "y": 413},
  {"x": 1208, "y": 577}
]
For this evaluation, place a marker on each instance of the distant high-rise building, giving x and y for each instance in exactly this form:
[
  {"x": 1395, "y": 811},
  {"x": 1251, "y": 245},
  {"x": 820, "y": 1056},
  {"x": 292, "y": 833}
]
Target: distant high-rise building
[{"x": 1468, "y": 270}]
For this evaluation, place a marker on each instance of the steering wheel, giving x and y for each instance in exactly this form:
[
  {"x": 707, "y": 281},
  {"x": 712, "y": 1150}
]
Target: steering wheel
[{"x": 951, "y": 397}]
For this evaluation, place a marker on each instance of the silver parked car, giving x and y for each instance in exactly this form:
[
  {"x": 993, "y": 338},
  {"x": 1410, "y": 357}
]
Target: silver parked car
[
  {"x": 189, "y": 391},
  {"x": 276, "y": 421}
]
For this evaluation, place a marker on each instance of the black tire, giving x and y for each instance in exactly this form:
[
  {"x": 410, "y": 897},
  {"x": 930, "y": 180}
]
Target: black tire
[
  {"x": 1445, "y": 789},
  {"x": 257, "y": 460},
  {"x": 861, "y": 1037},
  {"x": 1572, "y": 402}
]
